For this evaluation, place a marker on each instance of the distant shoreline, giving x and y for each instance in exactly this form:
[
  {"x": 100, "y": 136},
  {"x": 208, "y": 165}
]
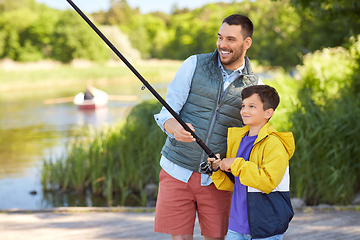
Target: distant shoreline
[{"x": 46, "y": 74}]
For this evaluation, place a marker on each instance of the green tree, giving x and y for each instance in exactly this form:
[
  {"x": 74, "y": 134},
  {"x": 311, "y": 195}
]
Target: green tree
[
  {"x": 193, "y": 32},
  {"x": 10, "y": 5},
  {"x": 40, "y": 31},
  {"x": 330, "y": 8},
  {"x": 73, "y": 38},
  {"x": 119, "y": 13},
  {"x": 25, "y": 28},
  {"x": 11, "y": 30},
  {"x": 147, "y": 33},
  {"x": 276, "y": 39},
  {"x": 327, "y": 23}
]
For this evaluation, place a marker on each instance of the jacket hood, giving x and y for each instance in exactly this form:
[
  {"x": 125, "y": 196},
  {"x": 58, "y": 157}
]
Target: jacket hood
[{"x": 286, "y": 138}]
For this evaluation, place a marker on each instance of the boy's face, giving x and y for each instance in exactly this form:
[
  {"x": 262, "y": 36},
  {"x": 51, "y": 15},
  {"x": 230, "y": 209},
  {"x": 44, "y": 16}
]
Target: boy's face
[{"x": 253, "y": 113}]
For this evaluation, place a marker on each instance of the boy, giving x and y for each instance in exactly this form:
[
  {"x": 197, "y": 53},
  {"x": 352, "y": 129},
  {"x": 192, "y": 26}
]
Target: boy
[{"x": 258, "y": 156}]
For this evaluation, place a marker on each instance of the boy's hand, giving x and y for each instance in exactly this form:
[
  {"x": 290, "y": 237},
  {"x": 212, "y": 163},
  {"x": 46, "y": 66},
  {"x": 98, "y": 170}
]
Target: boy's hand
[
  {"x": 226, "y": 164},
  {"x": 215, "y": 162}
]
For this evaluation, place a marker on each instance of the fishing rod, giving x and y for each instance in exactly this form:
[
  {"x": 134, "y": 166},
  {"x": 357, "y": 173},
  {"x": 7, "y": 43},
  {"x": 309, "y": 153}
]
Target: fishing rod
[{"x": 204, "y": 166}]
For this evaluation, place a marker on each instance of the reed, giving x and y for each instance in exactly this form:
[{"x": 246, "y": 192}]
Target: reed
[
  {"x": 326, "y": 163},
  {"x": 119, "y": 160},
  {"x": 324, "y": 121}
]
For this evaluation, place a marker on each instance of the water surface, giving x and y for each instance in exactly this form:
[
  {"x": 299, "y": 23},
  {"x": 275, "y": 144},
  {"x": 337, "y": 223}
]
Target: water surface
[{"x": 31, "y": 131}]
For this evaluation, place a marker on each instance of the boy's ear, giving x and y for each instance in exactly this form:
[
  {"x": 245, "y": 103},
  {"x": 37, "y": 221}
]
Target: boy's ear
[{"x": 268, "y": 113}]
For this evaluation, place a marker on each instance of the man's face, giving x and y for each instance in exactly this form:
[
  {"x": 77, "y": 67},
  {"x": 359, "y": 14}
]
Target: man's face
[{"x": 232, "y": 46}]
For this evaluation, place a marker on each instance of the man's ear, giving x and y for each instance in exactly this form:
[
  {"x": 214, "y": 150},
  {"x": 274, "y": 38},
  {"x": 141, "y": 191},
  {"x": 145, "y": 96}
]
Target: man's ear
[
  {"x": 268, "y": 113},
  {"x": 247, "y": 43}
]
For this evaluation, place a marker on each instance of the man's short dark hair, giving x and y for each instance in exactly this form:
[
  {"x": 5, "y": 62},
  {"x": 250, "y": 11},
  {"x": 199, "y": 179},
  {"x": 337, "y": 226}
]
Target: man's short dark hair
[
  {"x": 268, "y": 95},
  {"x": 247, "y": 27}
]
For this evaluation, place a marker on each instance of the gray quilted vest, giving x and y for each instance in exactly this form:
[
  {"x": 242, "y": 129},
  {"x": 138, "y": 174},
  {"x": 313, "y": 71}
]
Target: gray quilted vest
[{"x": 210, "y": 112}]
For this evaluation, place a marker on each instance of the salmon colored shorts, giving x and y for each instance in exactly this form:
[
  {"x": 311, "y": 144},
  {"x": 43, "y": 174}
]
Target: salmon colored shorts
[{"x": 178, "y": 202}]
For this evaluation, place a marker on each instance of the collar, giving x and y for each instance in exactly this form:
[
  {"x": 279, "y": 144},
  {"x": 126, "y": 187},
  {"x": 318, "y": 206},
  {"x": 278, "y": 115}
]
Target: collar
[
  {"x": 264, "y": 131},
  {"x": 240, "y": 69}
]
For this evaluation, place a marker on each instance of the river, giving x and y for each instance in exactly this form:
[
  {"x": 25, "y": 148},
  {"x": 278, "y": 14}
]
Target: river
[{"x": 31, "y": 131}]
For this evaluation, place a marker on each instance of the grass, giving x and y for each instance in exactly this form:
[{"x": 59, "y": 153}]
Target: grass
[
  {"x": 21, "y": 77},
  {"x": 326, "y": 163},
  {"x": 120, "y": 160}
]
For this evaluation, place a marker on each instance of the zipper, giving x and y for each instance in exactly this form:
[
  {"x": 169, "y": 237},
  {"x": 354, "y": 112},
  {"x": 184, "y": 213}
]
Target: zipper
[
  {"x": 247, "y": 192},
  {"x": 215, "y": 117},
  {"x": 220, "y": 101}
]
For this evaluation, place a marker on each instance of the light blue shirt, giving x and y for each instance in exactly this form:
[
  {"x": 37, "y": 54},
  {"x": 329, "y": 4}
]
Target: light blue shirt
[{"x": 177, "y": 94}]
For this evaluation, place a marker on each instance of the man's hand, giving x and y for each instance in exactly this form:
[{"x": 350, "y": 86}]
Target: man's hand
[
  {"x": 226, "y": 164},
  {"x": 215, "y": 162},
  {"x": 173, "y": 127}
]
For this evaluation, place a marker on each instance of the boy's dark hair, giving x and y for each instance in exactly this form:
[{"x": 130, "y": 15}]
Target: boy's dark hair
[
  {"x": 268, "y": 95},
  {"x": 247, "y": 27}
]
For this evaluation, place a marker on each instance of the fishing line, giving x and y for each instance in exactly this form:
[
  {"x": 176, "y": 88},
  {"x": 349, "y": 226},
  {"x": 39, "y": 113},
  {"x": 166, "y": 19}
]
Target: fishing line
[{"x": 204, "y": 166}]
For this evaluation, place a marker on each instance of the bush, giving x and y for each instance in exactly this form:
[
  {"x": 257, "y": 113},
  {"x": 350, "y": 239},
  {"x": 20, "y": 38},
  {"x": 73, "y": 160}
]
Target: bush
[
  {"x": 326, "y": 163},
  {"x": 286, "y": 86},
  {"x": 74, "y": 39}
]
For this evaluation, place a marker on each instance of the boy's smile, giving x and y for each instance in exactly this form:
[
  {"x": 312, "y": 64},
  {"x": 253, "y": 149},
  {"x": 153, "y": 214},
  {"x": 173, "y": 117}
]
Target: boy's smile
[{"x": 253, "y": 113}]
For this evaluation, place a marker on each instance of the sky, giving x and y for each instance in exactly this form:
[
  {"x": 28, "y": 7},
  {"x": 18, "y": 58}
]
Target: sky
[{"x": 145, "y": 6}]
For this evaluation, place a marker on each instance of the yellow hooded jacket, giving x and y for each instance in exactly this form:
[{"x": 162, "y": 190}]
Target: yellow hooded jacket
[
  {"x": 268, "y": 161},
  {"x": 266, "y": 176}
]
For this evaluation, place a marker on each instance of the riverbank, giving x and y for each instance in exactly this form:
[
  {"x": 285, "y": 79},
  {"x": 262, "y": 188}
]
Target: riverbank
[
  {"x": 15, "y": 76},
  {"x": 137, "y": 223}
]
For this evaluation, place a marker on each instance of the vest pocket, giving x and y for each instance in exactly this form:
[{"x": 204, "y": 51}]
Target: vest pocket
[{"x": 173, "y": 141}]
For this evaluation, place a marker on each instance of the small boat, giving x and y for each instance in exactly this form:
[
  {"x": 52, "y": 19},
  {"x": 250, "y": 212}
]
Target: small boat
[{"x": 99, "y": 100}]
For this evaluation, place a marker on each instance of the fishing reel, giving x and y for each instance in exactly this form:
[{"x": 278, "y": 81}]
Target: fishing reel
[{"x": 205, "y": 168}]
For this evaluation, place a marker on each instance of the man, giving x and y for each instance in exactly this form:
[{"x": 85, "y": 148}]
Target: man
[{"x": 206, "y": 93}]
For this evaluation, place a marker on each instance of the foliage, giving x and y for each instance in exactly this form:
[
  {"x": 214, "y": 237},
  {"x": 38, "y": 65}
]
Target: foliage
[
  {"x": 119, "y": 13},
  {"x": 326, "y": 72},
  {"x": 184, "y": 32},
  {"x": 192, "y": 32},
  {"x": 121, "y": 159},
  {"x": 284, "y": 30},
  {"x": 276, "y": 28},
  {"x": 31, "y": 32},
  {"x": 326, "y": 163},
  {"x": 355, "y": 53},
  {"x": 15, "y": 19},
  {"x": 286, "y": 86},
  {"x": 152, "y": 31},
  {"x": 330, "y": 8},
  {"x": 327, "y": 23},
  {"x": 73, "y": 38}
]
